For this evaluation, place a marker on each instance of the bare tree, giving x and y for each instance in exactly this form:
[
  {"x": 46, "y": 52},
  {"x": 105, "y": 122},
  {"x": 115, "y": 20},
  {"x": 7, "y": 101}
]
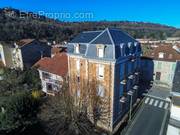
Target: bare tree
[{"x": 71, "y": 114}]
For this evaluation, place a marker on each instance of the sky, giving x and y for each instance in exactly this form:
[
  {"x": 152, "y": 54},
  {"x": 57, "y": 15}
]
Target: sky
[{"x": 157, "y": 11}]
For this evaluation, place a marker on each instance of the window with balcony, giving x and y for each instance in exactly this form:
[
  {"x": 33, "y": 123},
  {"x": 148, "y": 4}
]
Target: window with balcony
[
  {"x": 101, "y": 71},
  {"x": 100, "y": 52}
]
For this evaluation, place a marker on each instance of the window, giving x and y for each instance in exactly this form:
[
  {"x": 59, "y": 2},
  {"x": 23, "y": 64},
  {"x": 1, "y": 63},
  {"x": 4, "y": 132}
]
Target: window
[
  {"x": 173, "y": 67},
  {"x": 158, "y": 75},
  {"x": 159, "y": 64},
  {"x": 122, "y": 47},
  {"x": 49, "y": 86},
  {"x": 100, "y": 91},
  {"x": 101, "y": 71},
  {"x": 121, "y": 90},
  {"x": 100, "y": 52},
  {"x": 45, "y": 75},
  {"x": 78, "y": 93},
  {"x": 129, "y": 67},
  {"x": 78, "y": 65},
  {"x": 78, "y": 79},
  {"x": 122, "y": 69},
  {"x": 77, "y": 48},
  {"x": 161, "y": 55}
]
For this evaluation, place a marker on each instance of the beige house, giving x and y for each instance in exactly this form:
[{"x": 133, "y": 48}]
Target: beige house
[
  {"x": 6, "y": 54},
  {"x": 164, "y": 59}
]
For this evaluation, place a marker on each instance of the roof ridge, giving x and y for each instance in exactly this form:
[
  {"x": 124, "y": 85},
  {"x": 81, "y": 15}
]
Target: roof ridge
[
  {"x": 107, "y": 29},
  {"x": 97, "y": 36},
  {"x": 92, "y": 31}
]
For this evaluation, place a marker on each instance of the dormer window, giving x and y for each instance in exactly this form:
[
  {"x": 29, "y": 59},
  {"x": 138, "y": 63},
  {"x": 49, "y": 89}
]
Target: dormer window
[
  {"x": 77, "y": 48},
  {"x": 170, "y": 56},
  {"x": 161, "y": 55},
  {"x": 122, "y": 49},
  {"x": 129, "y": 45},
  {"x": 100, "y": 52}
]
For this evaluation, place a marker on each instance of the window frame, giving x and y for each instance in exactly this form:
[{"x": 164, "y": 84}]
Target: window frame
[{"x": 100, "y": 52}]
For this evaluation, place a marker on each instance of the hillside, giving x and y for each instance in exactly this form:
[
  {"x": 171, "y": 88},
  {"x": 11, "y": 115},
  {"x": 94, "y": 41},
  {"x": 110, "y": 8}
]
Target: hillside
[{"x": 12, "y": 27}]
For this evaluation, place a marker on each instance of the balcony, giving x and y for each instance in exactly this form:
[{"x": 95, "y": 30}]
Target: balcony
[
  {"x": 123, "y": 82},
  {"x": 135, "y": 87},
  {"x": 136, "y": 73},
  {"x": 123, "y": 99},
  {"x": 131, "y": 77}
]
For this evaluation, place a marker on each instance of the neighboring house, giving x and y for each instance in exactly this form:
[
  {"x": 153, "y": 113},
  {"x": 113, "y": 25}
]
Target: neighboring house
[
  {"x": 24, "y": 53},
  {"x": 174, "y": 122},
  {"x": 111, "y": 58},
  {"x": 164, "y": 59},
  {"x": 6, "y": 54},
  {"x": 53, "y": 72}
]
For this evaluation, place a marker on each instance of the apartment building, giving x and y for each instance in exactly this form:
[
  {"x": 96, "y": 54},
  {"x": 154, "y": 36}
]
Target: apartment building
[
  {"x": 111, "y": 58},
  {"x": 53, "y": 73}
]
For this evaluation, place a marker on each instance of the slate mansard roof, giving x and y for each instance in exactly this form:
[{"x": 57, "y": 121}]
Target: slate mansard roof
[{"x": 112, "y": 39}]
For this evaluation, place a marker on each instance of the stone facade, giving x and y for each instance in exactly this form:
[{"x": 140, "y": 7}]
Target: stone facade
[{"x": 82, "y": 78}]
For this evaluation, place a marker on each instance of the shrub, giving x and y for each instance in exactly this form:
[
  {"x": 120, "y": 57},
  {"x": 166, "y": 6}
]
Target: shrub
[{"x": 20, "y": 112}]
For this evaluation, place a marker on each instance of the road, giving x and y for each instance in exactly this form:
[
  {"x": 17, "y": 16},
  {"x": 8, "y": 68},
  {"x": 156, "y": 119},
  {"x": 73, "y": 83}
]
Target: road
[{"x": 151, "y": 118}]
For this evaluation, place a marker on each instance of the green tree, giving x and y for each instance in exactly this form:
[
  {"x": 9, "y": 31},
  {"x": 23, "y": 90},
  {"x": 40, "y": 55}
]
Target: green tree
[{"x": 18, "y": 112}]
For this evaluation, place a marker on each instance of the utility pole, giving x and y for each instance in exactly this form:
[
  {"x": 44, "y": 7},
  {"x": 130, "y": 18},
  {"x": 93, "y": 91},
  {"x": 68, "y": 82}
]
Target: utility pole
[{"x": 130, "y": 93}]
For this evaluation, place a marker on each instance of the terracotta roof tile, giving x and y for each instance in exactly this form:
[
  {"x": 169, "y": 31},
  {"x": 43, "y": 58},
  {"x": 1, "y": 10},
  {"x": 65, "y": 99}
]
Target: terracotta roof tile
[
  {"x": 57, "y": 65},
  {"x": 55, "y": 50},
  {"x": 170, "y": 54}
]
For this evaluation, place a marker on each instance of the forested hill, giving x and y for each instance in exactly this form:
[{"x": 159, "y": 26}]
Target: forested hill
[{"x": 13, "y": 27}]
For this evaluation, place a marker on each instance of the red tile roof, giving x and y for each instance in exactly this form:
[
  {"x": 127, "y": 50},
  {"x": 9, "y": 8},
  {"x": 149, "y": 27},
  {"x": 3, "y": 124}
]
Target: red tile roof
[
  {"x": 170, "y": 54},
  {"x": 55, "y": 50},
  {"x": 57, "y": 65}
]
